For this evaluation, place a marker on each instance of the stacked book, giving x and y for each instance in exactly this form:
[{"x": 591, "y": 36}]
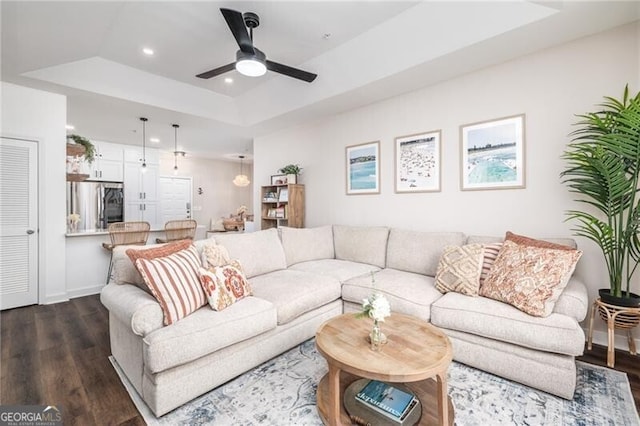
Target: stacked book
[{"x": 393, "y": 403}]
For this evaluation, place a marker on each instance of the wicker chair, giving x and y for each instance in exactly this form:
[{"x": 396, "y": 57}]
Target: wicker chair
[
  {"x": 125, "y": 233},
  {"x": 179, "y": 230}
]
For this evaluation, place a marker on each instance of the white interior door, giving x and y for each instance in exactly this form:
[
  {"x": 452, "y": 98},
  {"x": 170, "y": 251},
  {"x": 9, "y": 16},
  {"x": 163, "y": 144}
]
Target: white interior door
[
  {"x": 18, "y": 223},
  {"x": 175, "y": 198}
]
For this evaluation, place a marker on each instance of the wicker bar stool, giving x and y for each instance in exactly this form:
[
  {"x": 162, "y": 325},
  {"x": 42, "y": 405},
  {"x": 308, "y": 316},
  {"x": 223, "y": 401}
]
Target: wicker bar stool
[
  {"x": 125, "y": 233},
  {"x": 179, "y": 230}
]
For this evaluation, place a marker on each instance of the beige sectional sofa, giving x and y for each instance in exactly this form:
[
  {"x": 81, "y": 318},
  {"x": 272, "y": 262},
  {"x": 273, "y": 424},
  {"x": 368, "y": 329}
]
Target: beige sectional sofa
[{"x": 302, "y": 277}]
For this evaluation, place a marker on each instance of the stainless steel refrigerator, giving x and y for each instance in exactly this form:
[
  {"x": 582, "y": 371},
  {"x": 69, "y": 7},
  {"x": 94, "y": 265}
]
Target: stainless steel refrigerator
[{"x": 97, "y": 203}]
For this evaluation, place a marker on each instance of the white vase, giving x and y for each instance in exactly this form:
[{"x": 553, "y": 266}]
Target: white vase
[{"x": 291, "y": 178}]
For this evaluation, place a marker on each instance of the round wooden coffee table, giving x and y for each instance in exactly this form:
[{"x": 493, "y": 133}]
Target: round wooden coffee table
[{"x": 415, "y": 353}]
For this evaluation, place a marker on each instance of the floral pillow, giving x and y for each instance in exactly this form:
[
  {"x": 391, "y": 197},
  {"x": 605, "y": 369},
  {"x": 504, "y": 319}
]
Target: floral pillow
[
  {"x": 224, "y": 285},
  {"x": 530, "y": 278}
]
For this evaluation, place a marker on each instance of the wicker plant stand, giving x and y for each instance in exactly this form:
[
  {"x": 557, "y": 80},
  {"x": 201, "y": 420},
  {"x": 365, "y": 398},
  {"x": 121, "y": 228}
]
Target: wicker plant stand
[{"x": 616, "y": 317}]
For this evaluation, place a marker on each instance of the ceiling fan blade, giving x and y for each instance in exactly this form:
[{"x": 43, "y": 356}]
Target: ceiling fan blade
[
  {"x": 218, "y": 71},
  {"x": 236, "y": 24},
  {"x": 290, "y": 71}
]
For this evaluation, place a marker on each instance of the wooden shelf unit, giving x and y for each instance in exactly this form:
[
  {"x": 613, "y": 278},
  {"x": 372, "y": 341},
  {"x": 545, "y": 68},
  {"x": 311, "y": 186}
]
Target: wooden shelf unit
[{"x": 282, "y": 205}]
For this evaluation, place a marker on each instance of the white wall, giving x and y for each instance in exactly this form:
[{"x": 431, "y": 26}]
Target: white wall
[
  {"x": 220, "y": 197},
  {"x": 550, "y": 87},
  {"x": 41, "y": 116}
]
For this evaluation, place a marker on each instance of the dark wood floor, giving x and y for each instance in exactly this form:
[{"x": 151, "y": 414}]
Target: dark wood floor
[{"x": 57, "y": 355}]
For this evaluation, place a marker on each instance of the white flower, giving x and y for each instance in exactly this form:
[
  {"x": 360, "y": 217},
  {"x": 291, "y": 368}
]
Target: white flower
[
  {"x": 241, "y": 210},
  {"x": 74, "y": 217},
  {"x": 376, "y": 307}
]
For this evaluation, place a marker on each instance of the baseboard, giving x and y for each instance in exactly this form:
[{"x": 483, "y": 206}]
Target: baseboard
[
  {"x": 55, "y": 298},
  {"x": 84, "y": 291},
  {"x": 600, "y": 338}
]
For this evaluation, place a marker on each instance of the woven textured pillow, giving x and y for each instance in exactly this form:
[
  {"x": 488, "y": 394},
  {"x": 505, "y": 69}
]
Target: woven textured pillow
[
  {"x": 214, "y": 255},
  {"x": 459, "y": 269},
  {"x": 174, "y": 282},
  {"x": 224, "y": 285},
  {"x": 489, "y": 257},
  {"x": 530, "y": 278}
]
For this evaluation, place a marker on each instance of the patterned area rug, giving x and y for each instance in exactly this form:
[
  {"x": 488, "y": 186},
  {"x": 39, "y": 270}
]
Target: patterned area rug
[{"x": 283, "y": 392}]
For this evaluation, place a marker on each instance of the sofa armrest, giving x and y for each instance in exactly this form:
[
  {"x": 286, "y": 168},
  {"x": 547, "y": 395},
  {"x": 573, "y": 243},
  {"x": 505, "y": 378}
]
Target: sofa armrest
[
  {"x": 574, "y": 300},
  {"x": 133, "y": 306}
]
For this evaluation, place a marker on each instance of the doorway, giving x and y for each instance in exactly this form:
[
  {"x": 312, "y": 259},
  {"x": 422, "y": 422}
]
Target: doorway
[
  {"x": 18, "y": 222},
  {"x": 175, "y": 198}
]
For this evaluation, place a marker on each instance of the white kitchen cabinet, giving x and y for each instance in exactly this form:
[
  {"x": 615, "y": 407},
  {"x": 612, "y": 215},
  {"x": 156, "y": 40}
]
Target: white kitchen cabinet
[
  {"x": 141, "y": 191},
  {"x": 143, "y": 211},
  {"x": 108, "y": 164}
]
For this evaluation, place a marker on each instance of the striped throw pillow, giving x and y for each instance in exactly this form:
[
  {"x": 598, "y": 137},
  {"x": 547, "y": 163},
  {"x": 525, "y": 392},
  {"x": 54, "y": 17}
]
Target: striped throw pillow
[
  {"x": 490, "y": 254},
  {"x": 174, "y": 281}
]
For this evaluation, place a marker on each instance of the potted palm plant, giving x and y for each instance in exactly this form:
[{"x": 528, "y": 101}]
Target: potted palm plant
[{"x": 603, "y": 167}]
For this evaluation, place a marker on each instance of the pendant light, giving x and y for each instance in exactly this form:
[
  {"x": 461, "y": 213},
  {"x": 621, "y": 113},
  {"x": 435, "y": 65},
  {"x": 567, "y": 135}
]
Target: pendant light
[
  {"x": 175, "y": 149},
  {"x": 241, "y": 179},
  {"x": 144, "y": 137}
]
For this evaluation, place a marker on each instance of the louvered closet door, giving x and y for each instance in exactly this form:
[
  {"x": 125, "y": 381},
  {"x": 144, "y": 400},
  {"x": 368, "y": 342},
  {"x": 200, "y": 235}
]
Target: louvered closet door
[{"x": 18, "y": 223}]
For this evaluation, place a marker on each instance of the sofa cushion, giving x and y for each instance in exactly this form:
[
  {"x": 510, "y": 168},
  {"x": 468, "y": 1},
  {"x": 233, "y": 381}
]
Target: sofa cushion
[
  {"x": 530, "y": 278},
  {"x": 417, "y": 251},
  {"x": 224, "y": 285},
  {"x": 408, "y": 293},
  {"x": 294, "y": 293},
  {"x": 459, "y": 269},
  {"x": 205, "y": 331},
  {"x": 363, "y": 244},
  {"x": 174, "y": 282},
  {"x": 258, "y": 252},
  {"x": 341, "y": 270},
  {"x": 573, "y": 301},
  {"x": 496, "y": 320},
  {"x": 304, "y": 244}
]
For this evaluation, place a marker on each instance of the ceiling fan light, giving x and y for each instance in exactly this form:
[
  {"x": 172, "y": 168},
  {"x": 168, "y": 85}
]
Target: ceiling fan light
[{"x": 251, "y": 67}]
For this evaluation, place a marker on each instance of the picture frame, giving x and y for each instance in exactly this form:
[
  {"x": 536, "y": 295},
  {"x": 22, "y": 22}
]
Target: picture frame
[
  {"x": 279, "y": 180},
  {"x": 492, "y": 154},
  {"x": 363, "y": 168},
  {"x": 418, "y": 162}
]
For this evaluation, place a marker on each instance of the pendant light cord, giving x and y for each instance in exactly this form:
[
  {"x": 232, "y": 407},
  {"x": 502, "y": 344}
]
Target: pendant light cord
[
  {"x": 175, "y": 147},
  {"x": 144, "y": 143}
]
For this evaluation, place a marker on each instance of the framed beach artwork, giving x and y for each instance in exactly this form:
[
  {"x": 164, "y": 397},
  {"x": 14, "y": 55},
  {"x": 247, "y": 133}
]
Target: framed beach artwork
[
  {"x": 418, "y": 162},
  {"x": 492, "y": 154},
  {"x": 363, "y": 168}
]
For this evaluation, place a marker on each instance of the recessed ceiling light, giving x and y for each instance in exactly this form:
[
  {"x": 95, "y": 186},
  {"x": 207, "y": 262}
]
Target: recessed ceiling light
[
  {"x": 228, "y": 80},
  {"x": 148, "y": 51},
  {"x": 154, "y": 140},
  {"x": 69, "y": 127}
]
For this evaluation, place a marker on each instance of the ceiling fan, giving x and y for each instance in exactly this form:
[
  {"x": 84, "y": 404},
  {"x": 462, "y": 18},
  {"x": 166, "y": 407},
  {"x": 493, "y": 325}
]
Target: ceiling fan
[{"x": 250, "y": 60}]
